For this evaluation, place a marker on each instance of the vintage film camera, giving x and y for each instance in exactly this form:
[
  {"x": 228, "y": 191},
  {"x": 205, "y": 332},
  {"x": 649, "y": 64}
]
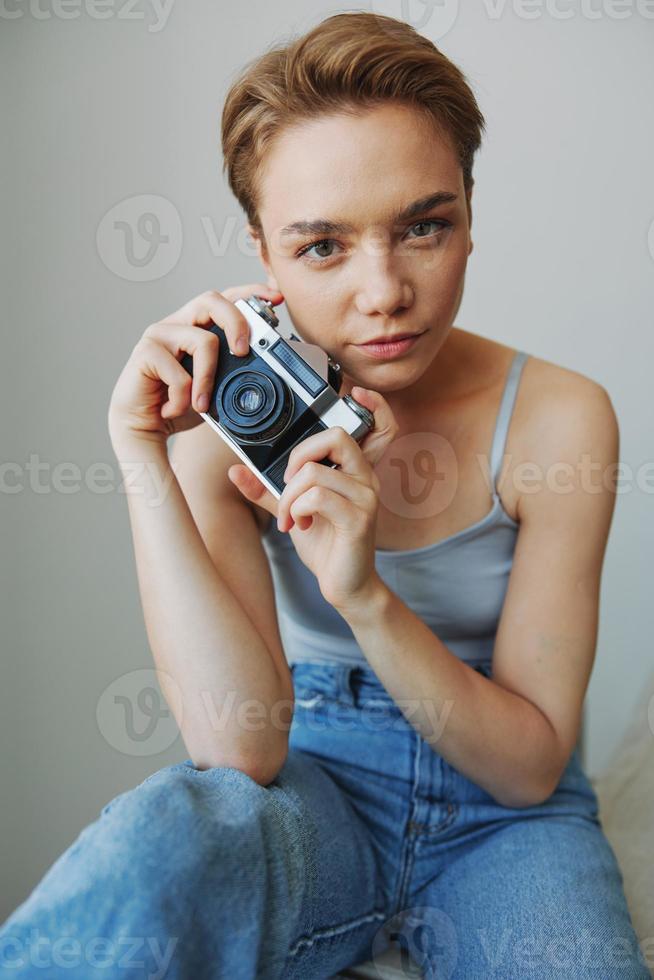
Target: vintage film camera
[{"x": 281, "y": 392}]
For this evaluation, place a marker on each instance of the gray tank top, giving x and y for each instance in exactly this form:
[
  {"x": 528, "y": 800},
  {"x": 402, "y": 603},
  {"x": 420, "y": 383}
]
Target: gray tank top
[{"x": 456, "y": 586}]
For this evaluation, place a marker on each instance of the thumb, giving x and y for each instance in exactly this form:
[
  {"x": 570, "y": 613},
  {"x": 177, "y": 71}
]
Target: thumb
[
  {"x": 252, "y": 489},
  {"x": 375, "y": 443}
]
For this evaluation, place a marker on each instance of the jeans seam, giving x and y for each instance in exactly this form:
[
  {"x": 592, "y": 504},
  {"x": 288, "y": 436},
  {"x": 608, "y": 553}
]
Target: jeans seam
[
  {"x": 405, "y": 874},
  {"x": 409, "y": 840},
  {"x": 308, "y": 939}
]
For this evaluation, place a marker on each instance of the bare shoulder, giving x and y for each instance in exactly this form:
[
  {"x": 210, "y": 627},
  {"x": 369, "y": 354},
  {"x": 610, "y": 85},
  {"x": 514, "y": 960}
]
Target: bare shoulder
[
  {"x": 547, "y": 376},
  {"x": 564, "y": 421},
  {"x": 543, "y": 383},
  {"x": 559, "y": 418},
  {"x": 557, "y": 404}
]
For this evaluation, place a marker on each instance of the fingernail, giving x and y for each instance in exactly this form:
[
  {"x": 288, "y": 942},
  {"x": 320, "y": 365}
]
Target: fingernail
[{"x": 203, "y": 403}]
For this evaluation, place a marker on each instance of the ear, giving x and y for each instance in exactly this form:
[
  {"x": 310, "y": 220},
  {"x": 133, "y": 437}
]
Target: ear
[{"x": 262, "y": 252}]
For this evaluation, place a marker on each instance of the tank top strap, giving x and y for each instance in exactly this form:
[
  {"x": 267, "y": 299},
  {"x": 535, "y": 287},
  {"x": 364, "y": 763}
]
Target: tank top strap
[{"x": 504, "y": 415}]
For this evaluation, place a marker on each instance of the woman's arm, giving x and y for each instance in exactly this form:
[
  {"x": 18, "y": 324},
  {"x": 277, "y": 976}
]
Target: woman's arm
[
  {"x": 216, "y": 672},
  {"x": 229, "y": 689},
  {"x": 514, "y": 734}
]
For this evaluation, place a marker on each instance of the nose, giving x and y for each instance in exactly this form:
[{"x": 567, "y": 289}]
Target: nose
[{"x": 384, "y": 288}]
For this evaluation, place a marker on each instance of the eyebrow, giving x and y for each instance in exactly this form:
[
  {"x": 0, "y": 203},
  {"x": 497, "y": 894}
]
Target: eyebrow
[{"x": 323, "y": 226}]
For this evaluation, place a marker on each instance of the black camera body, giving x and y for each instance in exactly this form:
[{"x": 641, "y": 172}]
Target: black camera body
[{"x": 283, "y": 391}]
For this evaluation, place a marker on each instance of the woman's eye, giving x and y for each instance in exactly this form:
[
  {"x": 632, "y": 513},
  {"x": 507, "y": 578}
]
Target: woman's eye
[
  {"x": 320, "y": 255},
  {"x": 324, "y": 248},
  {"x": 439, "y": 223}
]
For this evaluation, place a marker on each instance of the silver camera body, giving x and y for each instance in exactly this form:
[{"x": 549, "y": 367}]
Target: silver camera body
[{"x": 284, "y": 390}]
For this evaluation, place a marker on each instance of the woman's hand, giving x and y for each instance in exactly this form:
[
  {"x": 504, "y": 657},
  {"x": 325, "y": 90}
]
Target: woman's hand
[
  {"x": 331, "y": 514},
  {"x": 155, "y": 396}
]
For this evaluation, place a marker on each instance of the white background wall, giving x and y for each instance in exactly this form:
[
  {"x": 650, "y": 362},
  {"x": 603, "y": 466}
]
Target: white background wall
[{"x": 99, "y": 111}]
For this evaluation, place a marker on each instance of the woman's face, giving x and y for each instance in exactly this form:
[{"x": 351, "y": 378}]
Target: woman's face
[{"x": 365, "y": 258}]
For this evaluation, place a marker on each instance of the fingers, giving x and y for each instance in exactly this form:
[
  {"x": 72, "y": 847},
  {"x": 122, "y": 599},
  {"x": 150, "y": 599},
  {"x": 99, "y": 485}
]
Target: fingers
[
  {"x": 209, "y": 307},
  {"x": 334, "y": 507},
  {"x": 375, "y": 443},
  {"x": 159, "y": 364},
  {"x": 177, "y": 338},
  {"x": 340, "y": 447},
  {"x": 354, "y": 481},
  {"x": 219, "y": 308},
  {"x": 343, "y": 449},
  {"x": 257, "y": 288},
  {"x": 313, "y": 474},
  {"x": 334, "y": 443}
]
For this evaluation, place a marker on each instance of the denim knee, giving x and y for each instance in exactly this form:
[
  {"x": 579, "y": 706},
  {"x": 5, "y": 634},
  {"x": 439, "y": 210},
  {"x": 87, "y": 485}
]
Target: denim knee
[
  {"x": 194, "y": 820},
  {"x": 190, "y": 866}
]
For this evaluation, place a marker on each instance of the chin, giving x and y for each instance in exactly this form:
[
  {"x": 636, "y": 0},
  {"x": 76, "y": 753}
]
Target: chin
[{"x": 391, "y": 378}]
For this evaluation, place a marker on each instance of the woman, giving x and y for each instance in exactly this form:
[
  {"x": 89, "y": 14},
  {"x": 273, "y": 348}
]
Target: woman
[{"x": 428, "y": 792}]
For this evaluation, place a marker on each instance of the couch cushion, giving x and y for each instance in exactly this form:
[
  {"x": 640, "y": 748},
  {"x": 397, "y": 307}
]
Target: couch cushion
[{"x": 625, "y": 792}]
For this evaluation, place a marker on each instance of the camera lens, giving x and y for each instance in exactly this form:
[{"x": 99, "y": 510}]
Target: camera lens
[
  {"x": 249, "y": 398},
  {"x": 254, "y": 405}
]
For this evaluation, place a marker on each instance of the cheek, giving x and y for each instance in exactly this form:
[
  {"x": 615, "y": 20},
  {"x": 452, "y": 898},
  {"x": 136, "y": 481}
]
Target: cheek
[
  {"x": 317, "y": 305},
  {"x": 440, "y": 267},
  {"x": 440, "y": 291},
  {"x": 297, "y": 283},
  {"x": 456, "y": 272},
  {"x": 313, "y": 310},
  {"x": 452, "y": 269}
]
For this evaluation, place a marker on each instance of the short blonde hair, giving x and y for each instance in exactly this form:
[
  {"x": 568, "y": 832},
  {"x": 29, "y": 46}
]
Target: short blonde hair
[{"x": 347, "y": 63}]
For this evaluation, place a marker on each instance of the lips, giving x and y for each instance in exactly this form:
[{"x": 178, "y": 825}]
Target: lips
[
  {"x": 390, "y": 340},
  {"x": 388, "y": 350}
]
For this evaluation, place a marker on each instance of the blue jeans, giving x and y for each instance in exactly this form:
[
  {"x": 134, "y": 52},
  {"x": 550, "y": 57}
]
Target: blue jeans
[{"x": 366, "y": 838}]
